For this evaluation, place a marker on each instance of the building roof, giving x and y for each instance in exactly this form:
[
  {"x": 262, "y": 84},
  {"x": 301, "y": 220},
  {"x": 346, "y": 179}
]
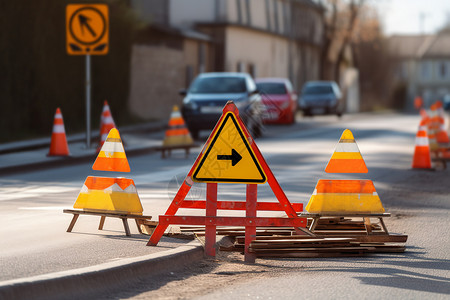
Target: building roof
[
  {"x": 440, "y": 47},
  {"x": 420, "y": 46}
]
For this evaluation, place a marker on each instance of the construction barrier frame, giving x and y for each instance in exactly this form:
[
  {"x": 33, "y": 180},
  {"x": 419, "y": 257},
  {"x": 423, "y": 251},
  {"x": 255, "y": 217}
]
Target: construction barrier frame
[{"x": 211, "y": 220}]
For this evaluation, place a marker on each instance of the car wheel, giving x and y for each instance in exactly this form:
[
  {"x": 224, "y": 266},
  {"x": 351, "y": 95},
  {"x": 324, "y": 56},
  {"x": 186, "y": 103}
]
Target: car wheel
[
  {"x": 256, "y": 131},
  {"x": 194, "y": 134},
  {"x": 292, "y": 121}
]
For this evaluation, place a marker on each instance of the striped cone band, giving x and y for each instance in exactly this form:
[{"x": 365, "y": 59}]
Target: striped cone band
[
  {"x": 349, "y": 196},
  {"x": 112, "y": 155},
  {"x": 346, "y": 157},
  {"x": 106, "y": 124},
  {"x": 109, "y": 194},
  {"x": 421, "y": 157},
  {"x": 434, "y": 146},
  {"x": 423, "y": 113},
  {"x": 58, "y": 143},
  {"x": 177, "y": 134},
  {"x": 442, "y": 136}
]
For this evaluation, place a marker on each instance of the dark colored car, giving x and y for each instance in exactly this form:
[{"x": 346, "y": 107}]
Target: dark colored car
[
  {"x": 208, "y": 94},
  {"x": 321, "y": 97},
  {"x": 279, "y": 99}
]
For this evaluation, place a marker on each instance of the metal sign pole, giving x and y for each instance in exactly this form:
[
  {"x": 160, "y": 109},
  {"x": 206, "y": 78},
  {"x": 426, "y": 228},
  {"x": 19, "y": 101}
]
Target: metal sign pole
[{"x": 88, "y": 101}]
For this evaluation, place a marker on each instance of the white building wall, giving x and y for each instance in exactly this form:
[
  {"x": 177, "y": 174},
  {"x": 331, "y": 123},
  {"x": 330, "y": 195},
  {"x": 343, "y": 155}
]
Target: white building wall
[
  {"x": 268, "y": 53},
  {"x": 184, "y": 13}
]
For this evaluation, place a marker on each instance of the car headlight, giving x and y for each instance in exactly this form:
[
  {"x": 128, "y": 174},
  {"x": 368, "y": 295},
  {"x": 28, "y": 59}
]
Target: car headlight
[
  {"x": 284, "y": 105},
  {"x": 190, "y": 104}
]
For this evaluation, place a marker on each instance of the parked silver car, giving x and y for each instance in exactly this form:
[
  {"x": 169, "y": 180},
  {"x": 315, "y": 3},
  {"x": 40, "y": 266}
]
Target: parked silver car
[
  {"x": 208, "y": 94},
  {"x": 321, "y": 97}
]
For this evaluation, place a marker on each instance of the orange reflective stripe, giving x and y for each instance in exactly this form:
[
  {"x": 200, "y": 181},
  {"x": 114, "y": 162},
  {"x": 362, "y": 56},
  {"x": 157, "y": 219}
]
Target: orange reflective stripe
[
  {"x": 101, "y": 183},
  {"x": 346, "y": 166},
  {"x": 111, "y": 164},
  {"x": 180, "y": 131},
  {"x": 176, "y": 122},
  {"x": 345, "y": 186}
]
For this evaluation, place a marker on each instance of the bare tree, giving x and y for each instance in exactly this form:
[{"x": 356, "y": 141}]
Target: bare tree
[{"x": 340, "y": 25}]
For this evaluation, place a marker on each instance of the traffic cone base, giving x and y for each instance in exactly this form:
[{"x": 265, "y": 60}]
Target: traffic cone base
[
  {"x": 345, "y": 196},
  {"x": 346, "y": 157},
  {"x": 112, "y": 155},
  {"x": 109, "y": 195},
  {"x": 58, "y": 143}
]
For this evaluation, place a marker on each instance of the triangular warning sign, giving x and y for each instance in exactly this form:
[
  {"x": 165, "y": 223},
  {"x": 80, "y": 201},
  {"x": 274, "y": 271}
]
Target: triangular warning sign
[
  {"x": 229, "y": 156},
  {"x": 346, "y": 157},
  {"x": 112, "y": 155}
]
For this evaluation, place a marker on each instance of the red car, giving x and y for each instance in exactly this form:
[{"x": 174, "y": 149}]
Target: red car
[{"x": 279, "y": 99}]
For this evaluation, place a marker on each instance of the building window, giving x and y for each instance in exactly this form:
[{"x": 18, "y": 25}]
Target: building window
[
  {"x": 251, "y": 69},
  {"x": 425, "y": 71},
  {"x": 240, "y": 67},
  {"x": 443, "y": 70}
]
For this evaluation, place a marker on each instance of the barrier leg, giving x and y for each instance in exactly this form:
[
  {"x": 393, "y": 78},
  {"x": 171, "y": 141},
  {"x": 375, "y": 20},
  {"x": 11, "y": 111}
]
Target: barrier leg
[
  {"x": 102, "y": 222},
  {"x": 125, "y": 225},
  {"x": 173, "y": 208},
  {"x": 211, "y": 211},
  {"x": 250, "y": 231},
  {"x": 72, "y": 223}
]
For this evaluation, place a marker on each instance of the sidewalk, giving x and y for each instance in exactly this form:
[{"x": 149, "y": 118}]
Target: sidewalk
[{"x": 32, "y": 154}]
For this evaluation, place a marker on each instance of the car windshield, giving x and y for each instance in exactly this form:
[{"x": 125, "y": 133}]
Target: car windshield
[
  {"x": 218, "y": 85},
  {"x": 318, "y": 89},
  {"x": 271, "y": 88}
]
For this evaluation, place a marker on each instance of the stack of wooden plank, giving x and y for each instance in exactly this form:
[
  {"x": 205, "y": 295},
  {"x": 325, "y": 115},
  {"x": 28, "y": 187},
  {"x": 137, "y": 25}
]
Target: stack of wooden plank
[
  {"x": 320, "y": 246},
  {"x": 334, "y": 237}
]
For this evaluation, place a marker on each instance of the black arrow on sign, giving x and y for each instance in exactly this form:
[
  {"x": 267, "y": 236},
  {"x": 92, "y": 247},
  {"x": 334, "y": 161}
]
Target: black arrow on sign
[
  {"x": 234, "y": 157},
  {"x": 84, "y": 23}
]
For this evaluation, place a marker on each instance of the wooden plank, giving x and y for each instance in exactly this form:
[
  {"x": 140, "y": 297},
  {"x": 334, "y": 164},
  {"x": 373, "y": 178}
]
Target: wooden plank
[
  {"x": 106, "y": 214},
  {"x": 392, "y": 238},
  {"x": 309, "y": 255},
  {"x": 305, "y": 240},
  {"x": 315, "y": 249}
]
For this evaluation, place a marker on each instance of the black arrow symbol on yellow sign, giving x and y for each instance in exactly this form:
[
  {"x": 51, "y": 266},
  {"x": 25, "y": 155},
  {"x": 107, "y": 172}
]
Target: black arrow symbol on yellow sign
[
  {"x": 84, "y": 23},
  {"x": 234, "y": 157}
]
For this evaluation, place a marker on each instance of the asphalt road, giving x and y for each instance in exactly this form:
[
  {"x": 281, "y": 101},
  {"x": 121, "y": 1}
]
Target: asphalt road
[{"x": 34, "y": 241}]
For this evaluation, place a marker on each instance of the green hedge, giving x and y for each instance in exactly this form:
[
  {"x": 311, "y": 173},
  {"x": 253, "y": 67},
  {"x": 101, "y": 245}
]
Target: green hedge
[{"x": 37, "y": 75}]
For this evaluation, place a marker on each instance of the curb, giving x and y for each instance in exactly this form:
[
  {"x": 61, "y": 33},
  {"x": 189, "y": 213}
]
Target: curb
[
  {"x": 77, "y": 137},
  {"x": 90, "y": 281},
  {"x": 72, "y": 160}
]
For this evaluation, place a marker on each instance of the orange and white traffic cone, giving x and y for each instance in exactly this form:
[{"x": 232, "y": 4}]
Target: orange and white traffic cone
[
  {"x": 421, "y": 158},
  {"x": 106, "y": 124},
  {"x": 58, "y": 144},
  {"x": 346, "y": 157},
  {"x": 177, "y": 134},
  {"x": 441, "y": 135},
  {"x": 433, "y": 126}
]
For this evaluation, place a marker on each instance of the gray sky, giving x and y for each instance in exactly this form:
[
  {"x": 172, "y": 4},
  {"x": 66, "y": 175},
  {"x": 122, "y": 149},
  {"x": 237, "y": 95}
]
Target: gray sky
[{"x": 404, "y": 16}]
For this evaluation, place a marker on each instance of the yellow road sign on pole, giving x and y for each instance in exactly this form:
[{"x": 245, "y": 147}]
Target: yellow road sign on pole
[
  {"x": 229, "y": 157},
  {"x": 87, "y": 29}
]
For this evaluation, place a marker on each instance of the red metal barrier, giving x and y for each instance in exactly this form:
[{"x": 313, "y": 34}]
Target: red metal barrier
[{"x": 246, "y": 150}]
